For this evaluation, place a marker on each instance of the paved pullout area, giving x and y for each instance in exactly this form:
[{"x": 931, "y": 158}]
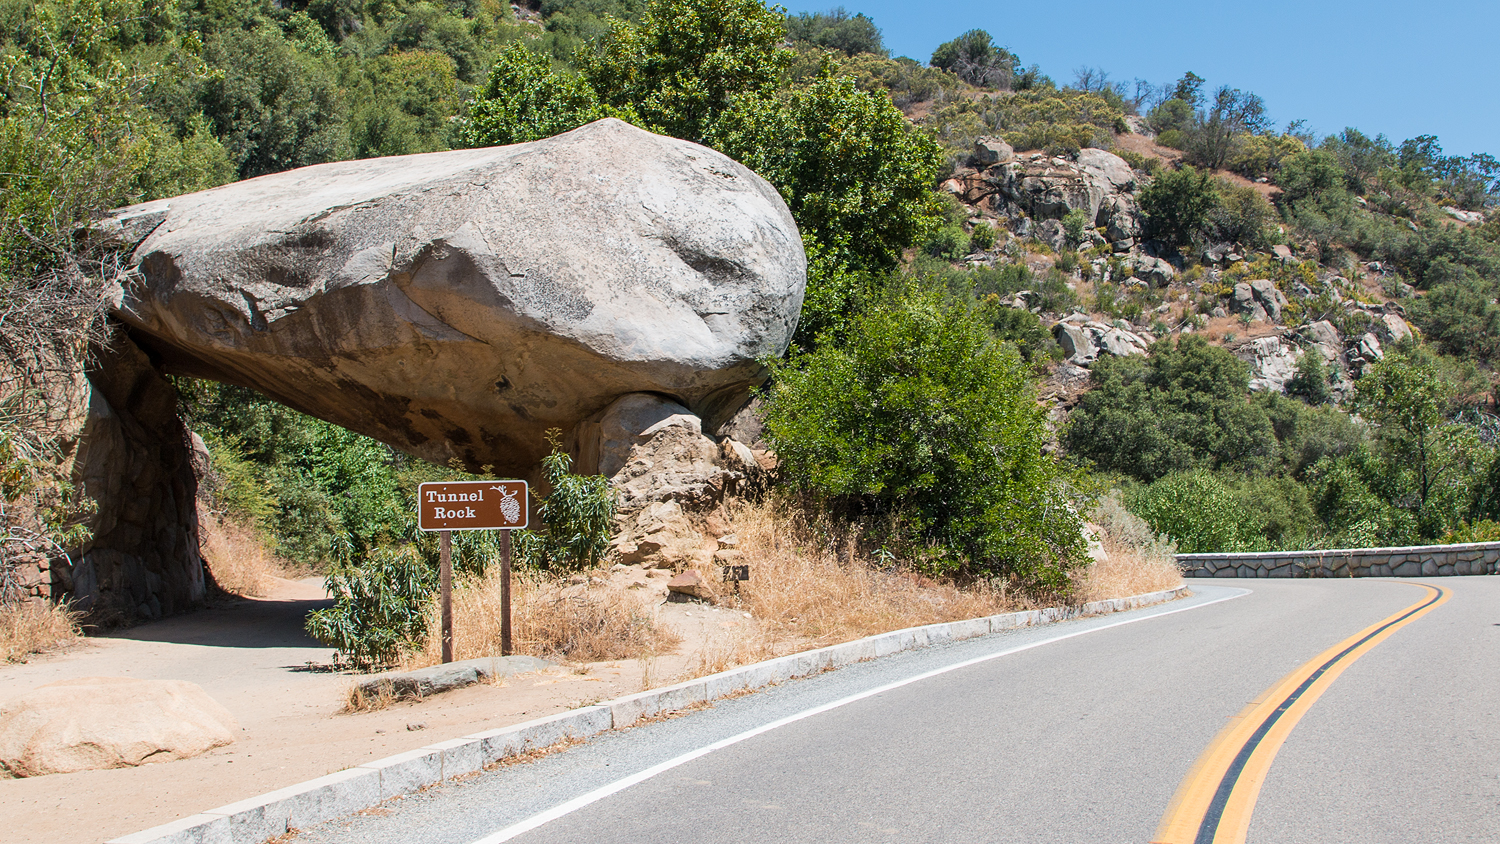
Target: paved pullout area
[
  {"x": 1084, "y": 738},
  {"x": 253, "y": 657}
]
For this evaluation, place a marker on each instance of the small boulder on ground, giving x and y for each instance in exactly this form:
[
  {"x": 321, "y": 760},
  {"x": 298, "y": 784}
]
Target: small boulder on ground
[
  {"x": 436, "y": 679},
  {"x": 94, "y": 723},
  {"x": 688, "y": 584}
]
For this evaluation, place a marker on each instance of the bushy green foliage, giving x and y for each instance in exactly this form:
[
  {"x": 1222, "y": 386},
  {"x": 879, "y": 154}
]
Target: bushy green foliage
[
  {"x": 1183, "y": 407},
  {"x": 920, "y": 414},
  {"x": 680, "y": 66},
  {"x": 836, "y": 30},
  {"x": 320, "y": 492},
  {"x": 1217, "y": 129},
  {"x": 856, "y": 176},
  {"x": 1223, "y": 512},
  {"x": 1460, "y": 317},
  {"x": 982, "y": 237},
  {"x": 1310, "y": 383},
  {"x": 1241, "y": 215},
  {"x": 903, "y": 79},
  {"x": 1261, "y": 156},
  {"x": 1177, "y": 204},
  {"x": 1197, "y": 511},
  {"x": 378, "y": 608},
  {"x": 527, "y": 99},
  {"x": 403, "y": 103},
  {"x": 576, "y": 516},
  {"x": 1427, "y": 471}
]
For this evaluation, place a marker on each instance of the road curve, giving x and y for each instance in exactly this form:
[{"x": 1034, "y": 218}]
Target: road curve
[{"x": 1082, "y": 731}]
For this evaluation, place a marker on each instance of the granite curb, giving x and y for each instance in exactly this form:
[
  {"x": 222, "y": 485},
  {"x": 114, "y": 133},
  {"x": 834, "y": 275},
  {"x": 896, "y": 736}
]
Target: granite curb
[{"x": 256, "y": 819}]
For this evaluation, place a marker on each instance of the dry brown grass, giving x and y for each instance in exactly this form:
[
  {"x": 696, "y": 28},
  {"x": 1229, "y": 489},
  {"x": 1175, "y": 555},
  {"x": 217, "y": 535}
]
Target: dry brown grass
[
  {"x": 809, "y": 588},
  {"x": 1137, "y": 561},
  {"x": 551, "y": 619},
  {"x": 237, "y": 557},
  {"x": 33, "y": 627}
]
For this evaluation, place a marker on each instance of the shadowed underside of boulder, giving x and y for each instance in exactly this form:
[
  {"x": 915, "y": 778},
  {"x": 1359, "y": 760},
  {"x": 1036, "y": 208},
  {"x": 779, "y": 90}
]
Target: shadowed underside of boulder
[{"x": 458, "y": 304}]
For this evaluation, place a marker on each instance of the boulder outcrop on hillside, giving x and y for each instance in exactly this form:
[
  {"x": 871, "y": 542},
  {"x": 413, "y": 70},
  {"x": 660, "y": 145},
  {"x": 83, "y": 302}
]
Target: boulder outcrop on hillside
[
  {"x": 458, "y": 304},
  {"x": 1083, "y": 340},
  {"x": 1049, "y": 187}
]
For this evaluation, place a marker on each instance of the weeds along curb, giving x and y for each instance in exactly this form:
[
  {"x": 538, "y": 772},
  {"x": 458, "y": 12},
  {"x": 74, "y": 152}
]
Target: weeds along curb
[{"x": 351, "y": 790}]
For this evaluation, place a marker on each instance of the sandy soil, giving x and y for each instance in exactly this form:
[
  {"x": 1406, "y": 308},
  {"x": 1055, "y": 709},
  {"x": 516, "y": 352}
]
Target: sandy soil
[{"x": 253, "y": 657}]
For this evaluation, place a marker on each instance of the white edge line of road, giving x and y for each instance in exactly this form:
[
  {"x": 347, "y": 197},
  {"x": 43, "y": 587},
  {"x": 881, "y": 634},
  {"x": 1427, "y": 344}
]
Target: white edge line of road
[
  {"x": 617, "y": 786},
  {"x": 346, "y": 792}
]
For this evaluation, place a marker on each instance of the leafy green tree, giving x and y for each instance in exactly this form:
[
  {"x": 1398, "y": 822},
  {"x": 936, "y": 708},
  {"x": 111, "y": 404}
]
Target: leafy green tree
[
  {"x": 836, "y": 30},
  {"x": 856, "y": 176},
  {"x": 1177, "y": 204},
  {"x": 922, "y": 416},
  {"x": 1188, "y": 89},
  {"x": 1361, "y": 158},
  {"x": 1310, "y": 175},
  {"x": 1429, "y": 462},
  {"x": 527, "y": 99},
  {"x": 1183, "y": 407},
  {"x": 1240, "y": 214},
  {"x": 274, "y": 107},
  {"x": 976, "y": 59},
  {"x": 1212, "y": 135},
  {"x": 406, "y": 103},
  {"x": 681, "y": 66}
]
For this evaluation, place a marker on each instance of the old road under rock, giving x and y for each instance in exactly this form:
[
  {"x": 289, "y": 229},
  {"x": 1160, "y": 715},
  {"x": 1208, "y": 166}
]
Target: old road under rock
[{"x": 1273, "y": 711}]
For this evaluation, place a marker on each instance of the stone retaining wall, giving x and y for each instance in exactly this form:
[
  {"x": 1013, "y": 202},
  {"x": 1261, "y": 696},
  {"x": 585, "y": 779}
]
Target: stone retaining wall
[{"x": 1412, "y": 561}]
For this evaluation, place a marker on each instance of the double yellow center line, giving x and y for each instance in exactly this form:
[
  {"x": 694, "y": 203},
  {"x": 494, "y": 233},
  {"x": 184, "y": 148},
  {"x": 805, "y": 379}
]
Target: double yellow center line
[{"x": 1214, "y": 802}]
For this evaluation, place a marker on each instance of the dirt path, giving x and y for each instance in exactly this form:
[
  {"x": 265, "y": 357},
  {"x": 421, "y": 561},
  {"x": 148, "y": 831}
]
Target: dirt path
[{"x": 253, "y": 657}]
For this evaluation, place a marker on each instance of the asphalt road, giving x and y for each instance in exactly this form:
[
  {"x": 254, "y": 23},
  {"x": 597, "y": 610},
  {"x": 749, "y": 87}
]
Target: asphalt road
[{"x": 1076, "y": 732}]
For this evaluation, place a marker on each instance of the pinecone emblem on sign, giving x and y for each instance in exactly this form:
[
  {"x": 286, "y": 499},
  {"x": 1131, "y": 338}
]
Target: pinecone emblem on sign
[{"x": 509, "y": 505}]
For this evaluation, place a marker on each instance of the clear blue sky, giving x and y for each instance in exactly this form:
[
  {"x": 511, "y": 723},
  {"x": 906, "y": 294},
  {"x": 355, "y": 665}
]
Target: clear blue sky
[{"x": 1404, "y": 69}]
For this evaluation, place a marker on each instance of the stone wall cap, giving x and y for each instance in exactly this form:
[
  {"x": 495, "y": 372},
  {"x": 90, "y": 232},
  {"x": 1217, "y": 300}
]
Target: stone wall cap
[{"x": 1372, "y": 552}]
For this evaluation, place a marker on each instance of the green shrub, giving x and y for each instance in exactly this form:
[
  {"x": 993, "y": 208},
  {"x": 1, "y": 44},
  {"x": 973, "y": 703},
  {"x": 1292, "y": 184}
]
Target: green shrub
[
  {"x": 526, "y": 99},
  {"x": 1172, "y": 138},
  {"x": 1067, "y": 261},
  {"x": 1242, "y": 215},
  {"x": 378, "y": 608},
  {"x": 1177, "y": 204},
  {"x": 1023, "y": 328},
  {"x": 1076, "y": 224},
  {"x": 982, "y": 238},
  {"x": 949, "y": 243},
  {"x": 922, "y": 416},
  {"x": 1311, "y": 381},
  {"x": 577, "y": 517},
  {"x": 1197, "y": 512}
]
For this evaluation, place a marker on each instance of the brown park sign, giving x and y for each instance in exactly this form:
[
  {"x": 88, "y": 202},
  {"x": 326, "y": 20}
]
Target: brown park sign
[{"x": 472, "y": 505}]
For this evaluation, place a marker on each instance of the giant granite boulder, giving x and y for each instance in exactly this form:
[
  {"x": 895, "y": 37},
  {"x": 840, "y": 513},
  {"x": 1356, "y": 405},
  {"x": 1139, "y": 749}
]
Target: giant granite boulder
[{"x": 458, "y": 304}]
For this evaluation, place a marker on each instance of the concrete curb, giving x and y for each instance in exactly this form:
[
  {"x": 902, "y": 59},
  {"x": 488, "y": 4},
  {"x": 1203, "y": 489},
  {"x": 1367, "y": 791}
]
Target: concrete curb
[{"x": 300, "y": 806}]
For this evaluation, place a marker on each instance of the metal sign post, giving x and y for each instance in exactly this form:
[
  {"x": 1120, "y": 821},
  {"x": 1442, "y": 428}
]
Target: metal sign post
[
  {"x": 472, "y": 505},
  {"x": 505, "y": 594},
  {"x": 445, "y": 576}
]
